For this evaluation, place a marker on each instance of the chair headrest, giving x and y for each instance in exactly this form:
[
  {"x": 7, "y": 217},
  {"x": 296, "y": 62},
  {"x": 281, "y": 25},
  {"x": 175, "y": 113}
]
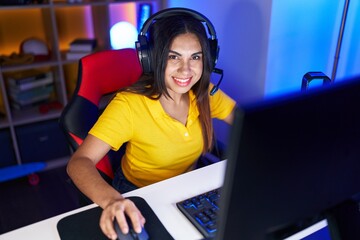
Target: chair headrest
[{"x": 107, "y": 71}]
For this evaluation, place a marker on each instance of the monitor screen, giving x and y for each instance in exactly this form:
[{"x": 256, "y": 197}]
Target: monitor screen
[{"x": 292, "y": 159}]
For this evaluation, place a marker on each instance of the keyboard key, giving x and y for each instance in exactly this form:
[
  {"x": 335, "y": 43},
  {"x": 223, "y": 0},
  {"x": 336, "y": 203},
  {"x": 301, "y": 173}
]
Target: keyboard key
[
  {"x": 211, "y": 227},
  {"x": 187, "y": 203},
  {"x": 204, "y": 219}
]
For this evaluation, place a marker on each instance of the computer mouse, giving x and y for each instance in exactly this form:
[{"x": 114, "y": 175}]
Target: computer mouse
[{"x": 131, "y": 235}]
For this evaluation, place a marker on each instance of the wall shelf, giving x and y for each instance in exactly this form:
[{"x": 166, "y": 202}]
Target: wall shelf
[{"x": 56, "y": 23}]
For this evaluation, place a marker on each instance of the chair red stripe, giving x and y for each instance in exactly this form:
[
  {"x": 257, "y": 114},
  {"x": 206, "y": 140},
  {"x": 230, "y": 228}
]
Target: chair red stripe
[{"x": 103, "y": 165}]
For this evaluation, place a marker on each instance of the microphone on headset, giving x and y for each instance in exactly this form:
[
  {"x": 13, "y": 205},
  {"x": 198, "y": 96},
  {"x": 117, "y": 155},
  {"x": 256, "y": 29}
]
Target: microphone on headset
[{"x": 216, "y": 87}]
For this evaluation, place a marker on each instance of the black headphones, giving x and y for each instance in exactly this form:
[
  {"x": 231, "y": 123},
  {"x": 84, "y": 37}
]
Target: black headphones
[{"x": 142, "y": 45}]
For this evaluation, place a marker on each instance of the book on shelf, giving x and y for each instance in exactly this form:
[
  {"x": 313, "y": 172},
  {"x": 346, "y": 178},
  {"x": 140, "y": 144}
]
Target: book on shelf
[
  {"x": 76, "y": 55},
  {"x": 33, "y": 100},
  {"x": 30, "y": 94},
  {"x": 31, "y": 82},
  {"x": 83, "y": 45},
  {"x": 25, "y": 76},
  {"x": 22, "y": 106}
]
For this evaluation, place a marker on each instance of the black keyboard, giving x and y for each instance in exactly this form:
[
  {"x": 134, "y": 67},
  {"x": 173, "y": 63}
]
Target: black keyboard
[{"x": 202, "y": 211}]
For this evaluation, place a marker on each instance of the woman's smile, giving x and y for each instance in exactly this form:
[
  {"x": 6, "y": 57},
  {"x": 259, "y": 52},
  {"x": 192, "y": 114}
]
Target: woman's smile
[{"x": 182, "y": 82}]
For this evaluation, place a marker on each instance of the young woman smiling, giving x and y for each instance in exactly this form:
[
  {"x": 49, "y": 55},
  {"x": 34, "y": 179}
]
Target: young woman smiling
[{"x": 165, "y": 118}]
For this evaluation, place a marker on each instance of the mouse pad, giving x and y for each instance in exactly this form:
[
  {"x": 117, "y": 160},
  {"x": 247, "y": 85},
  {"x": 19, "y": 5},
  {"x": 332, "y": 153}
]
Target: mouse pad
[{"x": 85, "y": 225}]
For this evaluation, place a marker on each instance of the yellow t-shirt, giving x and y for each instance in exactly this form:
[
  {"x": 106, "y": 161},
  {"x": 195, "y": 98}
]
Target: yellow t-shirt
[{"x": 158, "y": 146}]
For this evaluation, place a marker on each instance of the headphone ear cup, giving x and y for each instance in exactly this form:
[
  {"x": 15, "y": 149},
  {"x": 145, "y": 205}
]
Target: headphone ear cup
[
  {"x": 144, "y": 55},
  {"x": 214, "y": 49}
]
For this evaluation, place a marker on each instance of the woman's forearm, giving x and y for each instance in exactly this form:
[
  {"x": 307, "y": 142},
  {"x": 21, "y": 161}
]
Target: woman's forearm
[{"x": 88, "y": 180}]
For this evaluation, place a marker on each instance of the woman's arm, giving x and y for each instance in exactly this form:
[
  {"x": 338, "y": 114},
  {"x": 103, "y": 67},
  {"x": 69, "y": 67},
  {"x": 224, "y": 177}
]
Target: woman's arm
[
  {"x": 82, "y": 170},
  {"x": 230, "y": 118}
]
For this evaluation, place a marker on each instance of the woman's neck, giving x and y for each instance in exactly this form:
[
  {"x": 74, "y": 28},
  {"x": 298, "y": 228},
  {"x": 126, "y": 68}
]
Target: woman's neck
[{"x": 176, "y": 107}]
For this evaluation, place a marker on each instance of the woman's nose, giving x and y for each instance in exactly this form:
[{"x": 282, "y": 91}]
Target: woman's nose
[{"x": 185, "y": 66}]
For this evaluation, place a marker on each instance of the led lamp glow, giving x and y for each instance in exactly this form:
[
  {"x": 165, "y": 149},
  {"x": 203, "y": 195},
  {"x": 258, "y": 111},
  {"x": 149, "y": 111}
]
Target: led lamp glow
[{"x": 123, "y": 35}]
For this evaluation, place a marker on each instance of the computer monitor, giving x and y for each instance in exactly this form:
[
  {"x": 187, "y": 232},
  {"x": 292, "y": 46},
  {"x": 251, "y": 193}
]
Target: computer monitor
[{"x": 293, "y": 161}]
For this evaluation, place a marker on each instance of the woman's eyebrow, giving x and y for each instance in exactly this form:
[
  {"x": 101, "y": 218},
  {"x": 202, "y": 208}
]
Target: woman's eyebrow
[
  {"x": 175, "y": 52},
  {"x": 199, "y": 52}
]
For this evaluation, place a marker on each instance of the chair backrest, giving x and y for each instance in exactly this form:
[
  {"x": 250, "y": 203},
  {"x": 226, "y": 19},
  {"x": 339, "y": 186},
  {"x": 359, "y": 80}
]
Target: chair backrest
[{"x": 99, "y": 74}]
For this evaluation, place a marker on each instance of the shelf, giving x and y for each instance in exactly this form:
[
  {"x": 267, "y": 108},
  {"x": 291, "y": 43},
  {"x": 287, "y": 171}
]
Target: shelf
[
  {"x": 22, "y": 67},
  {"x": 26, "y": 6},
  {"x": 34, "y": 115},
  {"x": 56, "y": 23}
]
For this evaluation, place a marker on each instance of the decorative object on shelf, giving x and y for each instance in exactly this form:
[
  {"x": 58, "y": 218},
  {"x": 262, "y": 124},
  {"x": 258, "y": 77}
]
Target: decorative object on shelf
[
  {"x": 123, "y": 35},
  {"x": 31, "y": 49},
  {"x": 81, "y": 47},
  {"x": 36, "y": 47},
  {"x": 16, "y": 59},
  {"x": 46, "y": 107}
]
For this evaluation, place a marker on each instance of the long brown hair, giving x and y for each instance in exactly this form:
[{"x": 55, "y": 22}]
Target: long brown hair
[{"x": 160, "y": 36}]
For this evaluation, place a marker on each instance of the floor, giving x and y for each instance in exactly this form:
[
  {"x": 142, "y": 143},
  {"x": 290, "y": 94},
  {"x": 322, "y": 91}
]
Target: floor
[{"x": 22, "y": 204}]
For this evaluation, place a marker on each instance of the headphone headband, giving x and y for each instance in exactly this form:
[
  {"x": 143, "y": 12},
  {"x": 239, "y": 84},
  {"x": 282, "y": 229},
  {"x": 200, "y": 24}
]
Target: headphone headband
[{"x": 177, "y": 11}]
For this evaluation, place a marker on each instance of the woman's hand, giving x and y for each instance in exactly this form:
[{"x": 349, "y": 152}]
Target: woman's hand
[{"x": 118, "y": 209}]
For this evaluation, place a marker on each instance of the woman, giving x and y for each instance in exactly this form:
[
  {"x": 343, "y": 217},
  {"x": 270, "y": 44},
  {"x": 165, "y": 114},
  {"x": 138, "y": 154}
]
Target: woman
[{"x": 165, "y": 119}]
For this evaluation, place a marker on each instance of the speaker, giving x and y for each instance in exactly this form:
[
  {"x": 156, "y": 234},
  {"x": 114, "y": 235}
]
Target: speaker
[{"x": 142, "y": 44}]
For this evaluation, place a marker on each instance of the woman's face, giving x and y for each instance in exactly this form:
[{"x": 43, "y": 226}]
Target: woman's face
[{"x": 184, "y": 65}]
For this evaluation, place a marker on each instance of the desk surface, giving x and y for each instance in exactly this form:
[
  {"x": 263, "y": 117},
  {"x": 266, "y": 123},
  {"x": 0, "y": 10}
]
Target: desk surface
[{"x": 161, "y": 196}]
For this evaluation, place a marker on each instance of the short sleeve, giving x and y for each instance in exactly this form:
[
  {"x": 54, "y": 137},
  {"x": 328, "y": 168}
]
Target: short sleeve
[
  {"x": 114, "y": 125},
  {"x": 221, "y": 105}
]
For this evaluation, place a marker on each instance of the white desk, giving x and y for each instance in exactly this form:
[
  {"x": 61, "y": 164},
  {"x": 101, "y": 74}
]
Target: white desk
[{"x": 162, "y": 198}]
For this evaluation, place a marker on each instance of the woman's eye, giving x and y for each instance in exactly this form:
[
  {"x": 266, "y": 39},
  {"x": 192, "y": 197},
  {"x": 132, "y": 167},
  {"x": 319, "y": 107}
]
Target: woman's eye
[
  {"x": 196, "y": 57},
  {"x": 173, "y": 57}
]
